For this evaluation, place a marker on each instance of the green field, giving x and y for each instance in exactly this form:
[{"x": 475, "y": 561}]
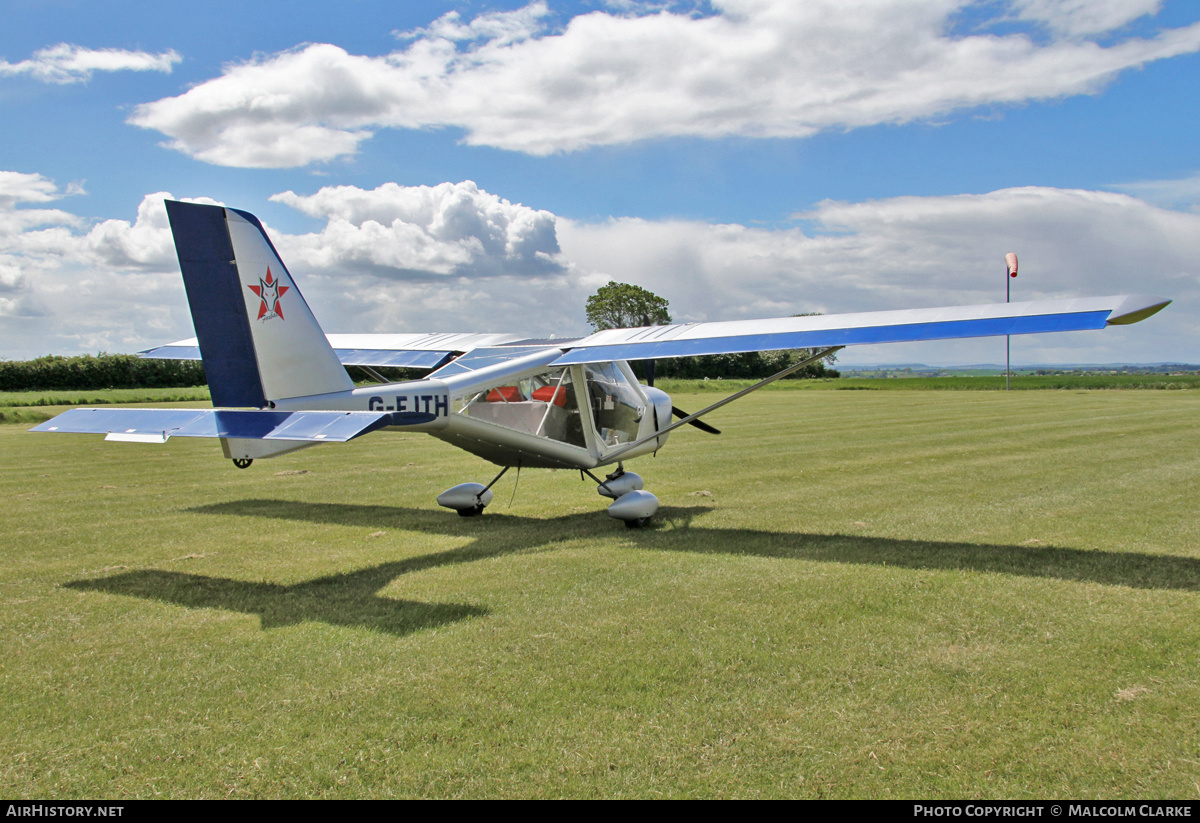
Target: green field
[
  {"x": 848, "y": 594},
  {"x": 32, "y": 407},
  {"x": 100, "y": 397}
]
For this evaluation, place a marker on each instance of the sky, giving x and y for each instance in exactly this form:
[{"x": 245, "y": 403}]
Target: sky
[{"x": 486, "y": 166}]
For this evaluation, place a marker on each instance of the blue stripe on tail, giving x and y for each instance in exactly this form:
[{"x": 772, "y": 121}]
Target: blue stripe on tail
[{"x": 218, "y": 306}]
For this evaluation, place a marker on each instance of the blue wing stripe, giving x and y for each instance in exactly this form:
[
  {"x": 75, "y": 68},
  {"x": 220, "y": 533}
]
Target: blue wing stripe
[{"x": 989, "y": 327}]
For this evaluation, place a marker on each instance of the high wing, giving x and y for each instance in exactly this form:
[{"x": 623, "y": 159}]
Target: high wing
[
  {"x": 455, "y": 352},
  {"x": 902, "y": 326}
]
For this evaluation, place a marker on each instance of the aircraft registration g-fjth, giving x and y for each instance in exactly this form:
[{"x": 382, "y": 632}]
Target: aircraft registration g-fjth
[{"x": 279, "y": 383}]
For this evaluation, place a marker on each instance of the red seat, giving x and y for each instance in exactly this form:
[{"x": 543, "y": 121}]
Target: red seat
[
  {"x": 507, "y": 394},
  {"x": 551, "y": 394}
]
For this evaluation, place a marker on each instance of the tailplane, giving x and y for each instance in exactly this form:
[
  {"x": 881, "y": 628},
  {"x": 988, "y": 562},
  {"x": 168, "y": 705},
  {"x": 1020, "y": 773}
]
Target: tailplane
[{"x": 258, "y": 338}]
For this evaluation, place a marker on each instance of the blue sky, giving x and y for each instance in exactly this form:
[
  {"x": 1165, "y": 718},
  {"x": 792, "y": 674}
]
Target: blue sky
[{"x": 484, "y": 166}]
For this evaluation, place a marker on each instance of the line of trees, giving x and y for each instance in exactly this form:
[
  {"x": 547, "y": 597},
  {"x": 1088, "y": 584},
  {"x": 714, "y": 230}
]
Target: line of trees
[
  {"x": 102, "y": 371},
  {"x": 745, "y": 365}
]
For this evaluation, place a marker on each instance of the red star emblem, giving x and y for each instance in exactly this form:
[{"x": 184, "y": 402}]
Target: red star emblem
[{"x": 269, "y": 291}]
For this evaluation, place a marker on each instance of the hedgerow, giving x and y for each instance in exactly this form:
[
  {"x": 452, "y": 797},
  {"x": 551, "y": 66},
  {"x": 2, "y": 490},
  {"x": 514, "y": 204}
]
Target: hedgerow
[{"x": 102, "y": 371}]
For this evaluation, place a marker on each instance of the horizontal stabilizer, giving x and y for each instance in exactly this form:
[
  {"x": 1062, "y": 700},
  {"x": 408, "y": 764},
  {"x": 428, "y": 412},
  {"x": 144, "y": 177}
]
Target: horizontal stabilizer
[{"x": 156, "y": 425}]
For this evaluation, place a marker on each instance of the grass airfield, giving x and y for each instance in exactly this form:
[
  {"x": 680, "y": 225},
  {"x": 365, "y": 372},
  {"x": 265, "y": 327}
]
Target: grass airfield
[{"x": 847, "y": 594}]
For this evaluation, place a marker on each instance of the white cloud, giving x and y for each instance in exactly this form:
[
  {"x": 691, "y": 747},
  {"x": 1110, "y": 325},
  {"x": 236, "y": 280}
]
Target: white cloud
[
  {"x": 499, "y": 28},
  {"x": 144, "y": 244},
  {"x": 388, "y": 258},
  {"x": 432, "y": 258},
  {"x": 67, "y": 286},
  {"x": 68, "y": 63},
  {"x": 1085, "y": 17},
  {"x": 455, "y": 258},
  {"x": 755, "y": 68},
  {"x": 19, "y": 187},
  {"x": 1180, "y": 193},
  {"x": 407, "y": 231},
  {"x": 30, "y": 231},
  {"x": 924, "y": 251}
]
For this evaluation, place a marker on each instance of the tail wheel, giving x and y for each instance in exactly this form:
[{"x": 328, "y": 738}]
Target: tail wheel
[{"x": 242, "y": 462}]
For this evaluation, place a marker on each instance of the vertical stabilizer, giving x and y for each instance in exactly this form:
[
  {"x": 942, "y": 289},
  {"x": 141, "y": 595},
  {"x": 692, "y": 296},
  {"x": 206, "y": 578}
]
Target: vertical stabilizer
[{"x": 258, "y": 337}]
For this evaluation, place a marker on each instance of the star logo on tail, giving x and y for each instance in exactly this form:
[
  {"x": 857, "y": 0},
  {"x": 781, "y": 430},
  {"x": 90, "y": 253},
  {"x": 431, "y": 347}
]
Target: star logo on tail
[{"x": 269, "y": 291}]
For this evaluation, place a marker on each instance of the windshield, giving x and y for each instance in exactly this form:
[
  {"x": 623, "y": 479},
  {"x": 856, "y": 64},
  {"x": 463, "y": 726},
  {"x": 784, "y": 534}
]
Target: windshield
[{"x": 617, "y": 406}]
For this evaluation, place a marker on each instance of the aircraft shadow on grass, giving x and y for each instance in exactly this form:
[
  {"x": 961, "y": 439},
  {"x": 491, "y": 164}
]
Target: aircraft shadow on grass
[{"x": 352, "y": 599}]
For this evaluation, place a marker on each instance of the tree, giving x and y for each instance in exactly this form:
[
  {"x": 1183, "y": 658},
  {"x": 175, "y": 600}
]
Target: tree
[{"x": 623, "y": 306}]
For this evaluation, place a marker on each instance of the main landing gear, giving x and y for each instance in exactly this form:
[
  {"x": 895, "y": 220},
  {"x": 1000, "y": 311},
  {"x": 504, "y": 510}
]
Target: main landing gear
[
  {"x": 630, "y": 503},
  {"x": 469, "y": 499}
]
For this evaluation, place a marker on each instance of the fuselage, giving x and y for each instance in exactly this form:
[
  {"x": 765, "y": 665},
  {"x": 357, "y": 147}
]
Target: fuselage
[{"x": 521, "y": 412}]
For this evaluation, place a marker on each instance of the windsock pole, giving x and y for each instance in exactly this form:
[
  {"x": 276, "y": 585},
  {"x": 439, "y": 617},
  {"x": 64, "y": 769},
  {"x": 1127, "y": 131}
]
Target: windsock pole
[{"x": 1010, "y": 261}]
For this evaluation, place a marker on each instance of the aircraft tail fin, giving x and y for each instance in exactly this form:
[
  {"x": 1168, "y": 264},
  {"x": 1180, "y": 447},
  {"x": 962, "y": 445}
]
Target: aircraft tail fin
[{"x": 258, "y": 338}]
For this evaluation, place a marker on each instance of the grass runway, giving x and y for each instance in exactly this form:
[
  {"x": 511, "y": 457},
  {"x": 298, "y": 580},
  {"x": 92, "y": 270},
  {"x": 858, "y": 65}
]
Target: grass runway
[{"x": 847, "y": 594}]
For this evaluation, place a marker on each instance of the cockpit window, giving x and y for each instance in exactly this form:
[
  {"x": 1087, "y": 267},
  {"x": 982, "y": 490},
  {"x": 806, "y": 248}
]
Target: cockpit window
[{"x": 543, "y": 405}]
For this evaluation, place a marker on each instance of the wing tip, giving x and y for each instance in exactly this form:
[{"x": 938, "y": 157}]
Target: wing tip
[{"x": 1136, "y": 307}]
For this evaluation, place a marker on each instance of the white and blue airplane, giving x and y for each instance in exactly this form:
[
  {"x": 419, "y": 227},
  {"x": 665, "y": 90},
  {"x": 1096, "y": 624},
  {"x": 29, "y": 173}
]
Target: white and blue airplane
[{"x": 279, "y": 383}]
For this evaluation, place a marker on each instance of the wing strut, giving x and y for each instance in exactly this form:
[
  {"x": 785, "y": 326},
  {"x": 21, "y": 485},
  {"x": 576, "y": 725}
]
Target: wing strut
[
  {"x": 792, "y": 368},
  {"x": 374, "y": 375}
]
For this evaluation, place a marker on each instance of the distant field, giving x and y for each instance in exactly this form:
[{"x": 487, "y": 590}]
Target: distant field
[
  {"x": 963, "y": 383},
  {"x": 847, "y": 594}
]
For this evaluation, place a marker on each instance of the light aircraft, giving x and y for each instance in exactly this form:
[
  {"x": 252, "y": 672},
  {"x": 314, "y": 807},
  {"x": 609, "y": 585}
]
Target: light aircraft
[{"x": 279, "y": 383}]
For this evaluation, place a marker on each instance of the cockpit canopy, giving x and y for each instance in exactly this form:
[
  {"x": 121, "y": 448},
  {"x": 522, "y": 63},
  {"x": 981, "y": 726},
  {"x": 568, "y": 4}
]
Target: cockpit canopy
[{"x": 595, "y": 407}]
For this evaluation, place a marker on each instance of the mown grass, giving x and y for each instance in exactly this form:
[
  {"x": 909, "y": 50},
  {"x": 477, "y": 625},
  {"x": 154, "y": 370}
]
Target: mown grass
[{"x": 848, "y": 594}]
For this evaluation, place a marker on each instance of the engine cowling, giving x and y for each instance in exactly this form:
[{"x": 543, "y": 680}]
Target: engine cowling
[{"x": 661, "y": 401}]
